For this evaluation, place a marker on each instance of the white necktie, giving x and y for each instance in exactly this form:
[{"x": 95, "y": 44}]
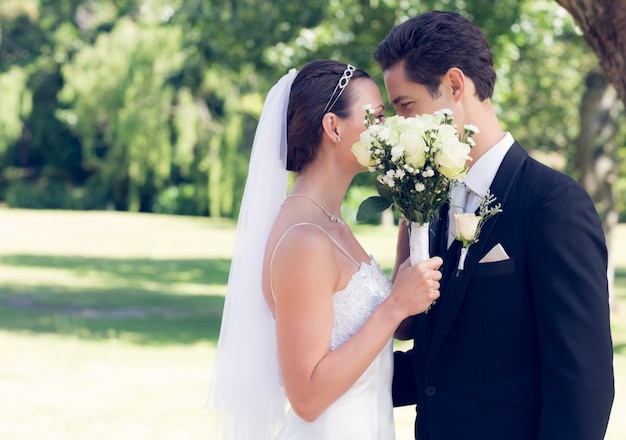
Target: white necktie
[{"x": 457, "y": 206}]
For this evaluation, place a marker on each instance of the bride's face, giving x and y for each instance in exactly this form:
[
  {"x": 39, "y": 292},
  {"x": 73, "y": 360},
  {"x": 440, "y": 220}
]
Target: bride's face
[{"x": 367, "y": 93}]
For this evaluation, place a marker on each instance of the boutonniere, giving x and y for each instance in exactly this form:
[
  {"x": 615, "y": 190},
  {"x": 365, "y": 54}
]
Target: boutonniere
[{"x": 468, "y": 225}]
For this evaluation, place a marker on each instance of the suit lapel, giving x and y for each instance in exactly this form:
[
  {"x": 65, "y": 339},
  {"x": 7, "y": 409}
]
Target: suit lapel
[{"x": 455, "y": 288}]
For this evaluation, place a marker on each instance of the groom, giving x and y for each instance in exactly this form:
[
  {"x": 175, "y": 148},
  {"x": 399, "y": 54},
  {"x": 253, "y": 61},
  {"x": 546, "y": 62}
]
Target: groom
[{"x": 518, "y": 347}]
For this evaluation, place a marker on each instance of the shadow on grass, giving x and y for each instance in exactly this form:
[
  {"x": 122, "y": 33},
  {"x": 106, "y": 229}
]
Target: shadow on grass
[
  {"x": 155, "y": 318},
  {"x": 120, "y": 306},
  {"x": 135, "y": 300},
  {"x": 205, "y": 271}
]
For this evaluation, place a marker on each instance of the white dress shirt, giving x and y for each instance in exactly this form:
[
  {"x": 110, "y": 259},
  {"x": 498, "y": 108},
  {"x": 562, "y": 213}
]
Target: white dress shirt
[{"x": 482, "y": 172}]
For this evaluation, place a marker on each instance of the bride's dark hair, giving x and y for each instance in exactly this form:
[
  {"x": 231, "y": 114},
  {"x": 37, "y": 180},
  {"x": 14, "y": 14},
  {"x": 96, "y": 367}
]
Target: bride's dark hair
[{"x": 311, "y": 92}]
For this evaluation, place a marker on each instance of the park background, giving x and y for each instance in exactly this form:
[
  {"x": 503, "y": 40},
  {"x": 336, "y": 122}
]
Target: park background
[{"x": 125, "y": 131}]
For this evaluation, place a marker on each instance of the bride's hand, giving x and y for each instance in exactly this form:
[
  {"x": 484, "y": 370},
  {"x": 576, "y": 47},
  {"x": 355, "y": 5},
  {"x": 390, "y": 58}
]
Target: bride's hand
[{"x": 416, "y": 286}]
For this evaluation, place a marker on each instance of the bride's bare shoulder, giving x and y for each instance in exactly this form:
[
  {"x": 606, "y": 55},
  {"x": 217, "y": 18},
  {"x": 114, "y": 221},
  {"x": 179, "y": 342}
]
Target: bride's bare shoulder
[{"x": 301, "y": 242}]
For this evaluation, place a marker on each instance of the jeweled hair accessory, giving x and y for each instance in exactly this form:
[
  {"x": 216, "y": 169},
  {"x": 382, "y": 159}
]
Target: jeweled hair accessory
[{"x": 340, "y": 87}]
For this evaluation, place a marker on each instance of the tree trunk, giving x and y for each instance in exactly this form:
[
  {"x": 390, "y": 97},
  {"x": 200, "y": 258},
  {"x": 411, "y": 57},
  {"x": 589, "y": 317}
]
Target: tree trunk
[
  {"x": 603, "y": 23},
  {"x": 597, "y": 155}
]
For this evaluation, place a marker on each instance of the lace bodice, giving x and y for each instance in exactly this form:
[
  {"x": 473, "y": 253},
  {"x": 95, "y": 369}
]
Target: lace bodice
[{"x": 353, "y": 305}]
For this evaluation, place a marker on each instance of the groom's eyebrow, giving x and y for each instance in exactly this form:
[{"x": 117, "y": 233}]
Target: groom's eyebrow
[{"x": 398, "y": 99}]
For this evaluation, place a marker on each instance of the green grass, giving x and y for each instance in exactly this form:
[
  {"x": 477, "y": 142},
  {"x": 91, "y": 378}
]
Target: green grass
[{"x": 108, "y": 323}]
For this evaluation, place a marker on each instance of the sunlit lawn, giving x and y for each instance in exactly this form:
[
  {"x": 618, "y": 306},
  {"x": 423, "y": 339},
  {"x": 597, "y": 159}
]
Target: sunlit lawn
[{"x": 108, "y": 323}]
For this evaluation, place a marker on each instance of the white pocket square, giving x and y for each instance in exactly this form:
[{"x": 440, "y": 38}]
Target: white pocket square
[{"x": 497, "y": 253}]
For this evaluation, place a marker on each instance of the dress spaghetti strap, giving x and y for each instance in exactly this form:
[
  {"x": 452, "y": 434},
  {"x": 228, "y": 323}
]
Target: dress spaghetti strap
[{"x": 341, "y": 248}]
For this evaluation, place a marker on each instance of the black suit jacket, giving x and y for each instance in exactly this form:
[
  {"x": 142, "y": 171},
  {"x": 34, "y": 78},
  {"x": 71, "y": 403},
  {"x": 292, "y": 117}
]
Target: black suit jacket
[{"x": 517, "y": 349}]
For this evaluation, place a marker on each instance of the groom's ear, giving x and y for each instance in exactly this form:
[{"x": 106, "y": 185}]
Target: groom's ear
[{"x": 455, "y": 79}]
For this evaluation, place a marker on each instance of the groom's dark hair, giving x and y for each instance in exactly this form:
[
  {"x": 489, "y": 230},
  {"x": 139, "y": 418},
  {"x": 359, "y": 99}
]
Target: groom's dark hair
[{"x": 431, "y": 43}]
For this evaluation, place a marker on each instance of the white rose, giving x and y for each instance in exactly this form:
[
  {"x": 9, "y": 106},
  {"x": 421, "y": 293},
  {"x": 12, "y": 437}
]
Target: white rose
[
  {"x": 395, "y": 122},
  {"x": 412, "y": 139},
  {"x": 446, "y": 132},
  {"x": 392, "y": 129},
  {"x": 452, "y": 157},
  {"x": 466, "y": 226},
  {"x": 362, "y": 151},
  {"x": 423, "y": 122}
]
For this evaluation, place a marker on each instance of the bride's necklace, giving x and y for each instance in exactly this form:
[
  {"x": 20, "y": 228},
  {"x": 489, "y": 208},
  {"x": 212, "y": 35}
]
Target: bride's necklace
[{"x": 333, "y": 218}]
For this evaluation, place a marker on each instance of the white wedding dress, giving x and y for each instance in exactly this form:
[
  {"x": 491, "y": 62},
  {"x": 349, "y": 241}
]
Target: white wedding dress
[{"x": 365, "y": 411}]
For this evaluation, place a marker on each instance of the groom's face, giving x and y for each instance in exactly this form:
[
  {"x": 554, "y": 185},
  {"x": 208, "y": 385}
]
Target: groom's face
[{"x": 410, "y": 98}]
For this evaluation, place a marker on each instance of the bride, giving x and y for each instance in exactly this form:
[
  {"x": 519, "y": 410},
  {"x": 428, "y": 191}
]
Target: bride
[{"x": 305, "y": 345}]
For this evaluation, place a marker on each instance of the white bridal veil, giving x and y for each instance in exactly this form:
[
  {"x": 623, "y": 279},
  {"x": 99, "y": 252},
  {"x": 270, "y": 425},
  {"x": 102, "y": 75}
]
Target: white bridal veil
[{"x": 245, "y": 393}]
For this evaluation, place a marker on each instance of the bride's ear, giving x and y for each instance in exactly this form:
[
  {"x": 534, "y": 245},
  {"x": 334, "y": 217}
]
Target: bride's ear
[{"x": 330, "y": 125}]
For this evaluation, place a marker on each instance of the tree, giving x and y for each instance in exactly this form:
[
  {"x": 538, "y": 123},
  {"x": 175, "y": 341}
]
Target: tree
[
  {"x": 228, "y": 71},
  {"x": 39, "y": 37},
  {"x": 120, "y": 104},
  {"x": 603, "y": 23},
  {"x": 597, "y": 153},
  {"x": 204, "y": 106}
]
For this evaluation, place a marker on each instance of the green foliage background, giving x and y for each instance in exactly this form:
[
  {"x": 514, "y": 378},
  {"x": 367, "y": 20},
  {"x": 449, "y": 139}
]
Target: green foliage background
[{"x": 152, "y": 106}]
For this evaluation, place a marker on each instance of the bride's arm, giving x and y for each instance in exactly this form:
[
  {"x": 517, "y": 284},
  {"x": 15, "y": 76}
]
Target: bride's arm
[{"x": 305, "y": 275}]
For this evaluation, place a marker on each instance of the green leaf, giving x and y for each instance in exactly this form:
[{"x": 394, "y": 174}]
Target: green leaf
[
  {"x": 384, "y": 191},
  {"x": 417, "y": 217},
  {"x": 371, "y": 206}
]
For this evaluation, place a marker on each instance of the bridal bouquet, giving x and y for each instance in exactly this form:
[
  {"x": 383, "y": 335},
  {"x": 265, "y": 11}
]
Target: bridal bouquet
[{"x": 417, "y": 160}]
